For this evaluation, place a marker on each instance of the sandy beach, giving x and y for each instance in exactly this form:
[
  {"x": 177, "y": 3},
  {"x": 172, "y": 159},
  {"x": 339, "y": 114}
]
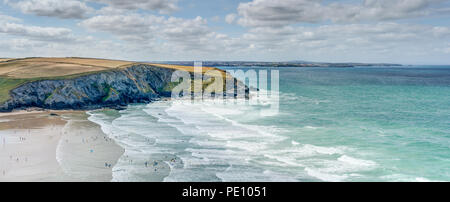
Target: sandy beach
[{"x": 54, "y": 146}]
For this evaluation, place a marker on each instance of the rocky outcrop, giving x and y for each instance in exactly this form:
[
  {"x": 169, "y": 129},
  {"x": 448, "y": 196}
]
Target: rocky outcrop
[{"x": 136, "y": 84}]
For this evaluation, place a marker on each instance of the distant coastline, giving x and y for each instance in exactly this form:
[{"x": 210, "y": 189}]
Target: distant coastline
[{"x": 278, "y": 64}]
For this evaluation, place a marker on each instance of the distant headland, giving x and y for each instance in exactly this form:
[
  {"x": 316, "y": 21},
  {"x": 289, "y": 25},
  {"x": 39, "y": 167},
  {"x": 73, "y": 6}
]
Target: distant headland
[{"x": 279, "y": 64}]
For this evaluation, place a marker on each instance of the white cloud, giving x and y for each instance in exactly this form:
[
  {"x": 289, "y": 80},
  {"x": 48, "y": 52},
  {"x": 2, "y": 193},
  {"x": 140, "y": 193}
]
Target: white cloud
[
  {"x": 440, "y": 31},
  {"x": 65, "y": 9},
  {"x": 230, "y": 18},
  {"x": 194, "y": 36},
  {"x": 361, "y": 32},
  {"x": 188, "y": 33},
  {"x": 163, "y": 6},
  {"x": 128, "y": 27},
  {"x": 286, "y": 12},
  {"x": 108, "y": 10},
  {"x": 22, "y": 47},
  {"x": 447, "y": 49},
  {"x": 216, "y": 18},
  {"x": 387, "y": 42},
  {"x": 36, "y": 32},
  {"x": 7, "y": 18},
  {"x": 172, "y": 34}
]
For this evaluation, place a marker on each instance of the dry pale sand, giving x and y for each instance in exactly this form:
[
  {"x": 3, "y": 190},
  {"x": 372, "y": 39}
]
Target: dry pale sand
[{"x": 40, "y": 146}]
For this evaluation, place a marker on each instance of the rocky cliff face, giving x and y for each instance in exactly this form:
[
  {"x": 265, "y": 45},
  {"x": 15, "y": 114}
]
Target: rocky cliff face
[{"x": 136, "y": 84}]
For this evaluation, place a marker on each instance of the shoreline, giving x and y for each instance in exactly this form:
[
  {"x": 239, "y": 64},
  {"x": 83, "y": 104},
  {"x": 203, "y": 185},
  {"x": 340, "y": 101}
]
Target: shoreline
[
  {"x": 134, "y": 165},
  {"x": 52, "y": 145}
]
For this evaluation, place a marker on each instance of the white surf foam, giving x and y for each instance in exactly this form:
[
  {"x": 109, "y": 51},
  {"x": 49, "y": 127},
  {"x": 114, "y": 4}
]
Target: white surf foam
[
  {"x": 326, "y": 176},
  {"x": 214, "y": 143},
  {"x": 357, "y": 162}
]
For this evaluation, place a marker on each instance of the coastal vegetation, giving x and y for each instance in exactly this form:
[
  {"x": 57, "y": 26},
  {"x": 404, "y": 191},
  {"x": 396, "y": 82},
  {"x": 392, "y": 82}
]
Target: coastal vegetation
[{"x": 7, "y": 84}]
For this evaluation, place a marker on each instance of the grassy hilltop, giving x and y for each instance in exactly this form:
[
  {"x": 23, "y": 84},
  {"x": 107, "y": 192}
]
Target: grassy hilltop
[{"x": 16, "y": 72}]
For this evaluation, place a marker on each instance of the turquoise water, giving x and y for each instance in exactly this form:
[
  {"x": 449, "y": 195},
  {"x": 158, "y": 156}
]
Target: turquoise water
[{"x": 334, "y": 124}]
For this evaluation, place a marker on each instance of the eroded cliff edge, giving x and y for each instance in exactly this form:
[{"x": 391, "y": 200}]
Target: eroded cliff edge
[{"x": 139, "y": 83}]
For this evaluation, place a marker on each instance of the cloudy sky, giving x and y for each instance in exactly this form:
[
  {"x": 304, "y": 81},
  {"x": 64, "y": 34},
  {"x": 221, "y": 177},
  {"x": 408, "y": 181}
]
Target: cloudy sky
[{"x": 397, "y": 31}]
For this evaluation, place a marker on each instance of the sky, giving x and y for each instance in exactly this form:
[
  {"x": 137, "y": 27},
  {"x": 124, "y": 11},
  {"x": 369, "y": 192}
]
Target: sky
[{"x": 372, "y": 31}]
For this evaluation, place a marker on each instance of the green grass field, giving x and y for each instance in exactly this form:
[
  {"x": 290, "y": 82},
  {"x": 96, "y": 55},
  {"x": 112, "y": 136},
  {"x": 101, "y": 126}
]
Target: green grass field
[{"x": 8, "y": 84}]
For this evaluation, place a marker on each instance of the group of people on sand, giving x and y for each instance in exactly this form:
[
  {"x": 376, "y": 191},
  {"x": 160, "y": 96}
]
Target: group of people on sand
[
  {"x": 107, "y": 165},
  {"x": 95, "y": 138},
  {"x": 83, "y": 140},
  {"x": 17, "y": 159},
  {"x": 107, "y": 139},
  {"x": 21, "y": 139},
  {"x": 11, "y": 158},
  {"x": 155, "y": 163}
]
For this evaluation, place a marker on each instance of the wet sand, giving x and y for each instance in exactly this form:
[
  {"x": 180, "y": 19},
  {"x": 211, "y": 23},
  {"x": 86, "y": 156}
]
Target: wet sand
[{"x": 54, "y": 146}]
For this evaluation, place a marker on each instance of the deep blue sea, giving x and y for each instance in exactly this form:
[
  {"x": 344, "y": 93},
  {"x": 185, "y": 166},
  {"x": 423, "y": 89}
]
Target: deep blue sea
[{"x": 334, "y": 124}]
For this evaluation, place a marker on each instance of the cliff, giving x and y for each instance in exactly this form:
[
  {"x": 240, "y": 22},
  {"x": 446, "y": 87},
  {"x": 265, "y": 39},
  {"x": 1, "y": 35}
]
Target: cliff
[{"x": 136, "y": 83}]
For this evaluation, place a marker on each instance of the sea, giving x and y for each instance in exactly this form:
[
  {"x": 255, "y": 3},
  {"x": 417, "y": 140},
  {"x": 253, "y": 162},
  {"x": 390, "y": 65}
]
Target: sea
[{"x": 333, "y": 124}]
